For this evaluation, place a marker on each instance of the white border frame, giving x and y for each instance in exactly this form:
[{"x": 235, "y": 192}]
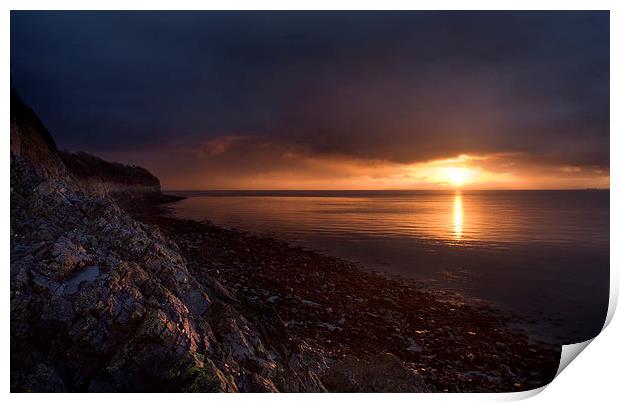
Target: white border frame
[{"x": 594, "y": 376}]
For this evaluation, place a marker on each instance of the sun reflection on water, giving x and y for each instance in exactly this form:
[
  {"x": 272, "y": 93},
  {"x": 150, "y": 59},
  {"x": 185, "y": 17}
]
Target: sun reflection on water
[{"x": 457, "y": 214}]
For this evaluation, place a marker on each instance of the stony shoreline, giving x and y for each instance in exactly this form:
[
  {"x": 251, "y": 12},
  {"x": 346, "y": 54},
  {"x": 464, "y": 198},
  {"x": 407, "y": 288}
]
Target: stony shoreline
[{"x": 357, "y": 319}]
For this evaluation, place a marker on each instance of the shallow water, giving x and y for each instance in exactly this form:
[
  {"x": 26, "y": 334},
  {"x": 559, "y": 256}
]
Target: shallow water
[{"x": 541, "y": 254}]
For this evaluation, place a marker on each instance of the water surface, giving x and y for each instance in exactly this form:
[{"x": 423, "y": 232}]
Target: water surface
[{"x": 542, "y": 254}]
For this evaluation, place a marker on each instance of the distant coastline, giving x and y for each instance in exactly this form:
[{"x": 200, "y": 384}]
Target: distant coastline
[{"x": 359, "y": 192}]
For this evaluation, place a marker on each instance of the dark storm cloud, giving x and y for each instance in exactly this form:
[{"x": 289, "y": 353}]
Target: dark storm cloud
[{"x": 397, "y": 86}]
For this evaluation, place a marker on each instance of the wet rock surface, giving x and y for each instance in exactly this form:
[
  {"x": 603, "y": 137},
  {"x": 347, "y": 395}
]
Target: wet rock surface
[{"x": 102, "y": 302}]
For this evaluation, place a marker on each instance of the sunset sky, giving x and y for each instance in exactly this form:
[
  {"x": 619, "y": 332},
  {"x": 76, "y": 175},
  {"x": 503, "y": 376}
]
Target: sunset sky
[{"x": 326, "y": 100}]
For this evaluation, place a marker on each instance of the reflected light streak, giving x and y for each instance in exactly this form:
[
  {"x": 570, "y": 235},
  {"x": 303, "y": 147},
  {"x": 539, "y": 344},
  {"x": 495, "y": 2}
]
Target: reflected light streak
[{"x": 457, "y": 214}]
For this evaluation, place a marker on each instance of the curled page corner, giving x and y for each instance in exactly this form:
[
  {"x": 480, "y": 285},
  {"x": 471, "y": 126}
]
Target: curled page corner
[
  {"x": 570, "y": 352},
  {"x": 526, "y": 394}
]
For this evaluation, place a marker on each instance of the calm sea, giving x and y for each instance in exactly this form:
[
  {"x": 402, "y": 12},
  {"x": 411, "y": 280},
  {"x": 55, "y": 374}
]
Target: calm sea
[{"x": 541, "y": 254}]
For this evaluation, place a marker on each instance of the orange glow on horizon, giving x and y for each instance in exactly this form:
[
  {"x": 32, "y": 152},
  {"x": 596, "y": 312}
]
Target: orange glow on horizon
[{"x": 268, "y": 169}]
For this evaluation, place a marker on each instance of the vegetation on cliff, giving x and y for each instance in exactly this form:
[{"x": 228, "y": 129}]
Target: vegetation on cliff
[{"x": 86, "y": 166}]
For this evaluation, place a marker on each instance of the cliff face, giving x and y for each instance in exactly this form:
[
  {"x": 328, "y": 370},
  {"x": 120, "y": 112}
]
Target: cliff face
[
  {"x": 108, "y": 178},
  {"x": 33, "y": 142},
  {"x": 101, "y": 302}
]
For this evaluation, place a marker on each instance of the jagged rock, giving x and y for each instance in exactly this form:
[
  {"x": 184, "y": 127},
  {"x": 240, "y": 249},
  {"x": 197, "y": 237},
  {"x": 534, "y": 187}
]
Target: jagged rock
[{"x": 66, "y": 257}]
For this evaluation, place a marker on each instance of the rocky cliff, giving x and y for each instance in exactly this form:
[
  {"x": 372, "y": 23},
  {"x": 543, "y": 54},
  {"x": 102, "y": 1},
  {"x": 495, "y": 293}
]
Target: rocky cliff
[
  {"x": 31, "y": 141},
  {"x": 101, "y": 302},
  {"x": 109, "y": 178},
  {"x": 34, "y": 143}
]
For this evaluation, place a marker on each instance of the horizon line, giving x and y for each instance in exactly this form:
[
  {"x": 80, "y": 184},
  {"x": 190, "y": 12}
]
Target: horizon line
[{"x": 387, "y": 190}]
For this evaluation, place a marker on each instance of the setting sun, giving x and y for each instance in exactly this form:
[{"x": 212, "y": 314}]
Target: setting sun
[{"x": 458, "y": 176}]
